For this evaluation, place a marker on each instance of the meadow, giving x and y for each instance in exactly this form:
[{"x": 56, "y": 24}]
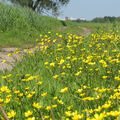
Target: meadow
[{"x": 67, "y": 77}]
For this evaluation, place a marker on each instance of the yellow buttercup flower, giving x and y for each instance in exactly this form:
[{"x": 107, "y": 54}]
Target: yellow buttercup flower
[
  {"x": 55, "y": 76},
  {"x": 4, "y": 61},
  {"x": 28, "y": 113},
  {"x": 64, "y": 90},
  {"x": 52, "y": 64},
  {"x": 5, "y": 89},
  {"x": 40, "y": 83},
  {"x": 117, "y": 78},
  {"x": 44, "y": 94},
  {"x": 48, "y": 108},
  {"x": 60, "y": 101},
  {"x": 104, "y": 77},
  {"x": 46, "y": 117},
  {"x": 36, "y": 105},
  {"x": 68, "y": 113},
  {"x": 54, "y": 106},
  {"x": 4, "y": 77},
  {"x": 11, "y": 114},
  {"x": 61, "y": 61},
  {"x": 9, "y": 54},
  {"x": 30, "y": 118}
]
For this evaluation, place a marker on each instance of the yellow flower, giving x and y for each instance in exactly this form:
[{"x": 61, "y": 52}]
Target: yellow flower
[
  {"x": 30, "y": 78},
  {"x": 4, "y": 77},
  {"x": 38, "y": 77},
  {"x": 54, "y": 106},
  {"x": 20, "y": 94},
  {"x": 68, "y": 113},
  {"x": 61, "y": 62},
  {"x": 54, "y": 98},
  {"x": 49, "y": 32},
  {"x": 107, "y": 105},
  {"x": 29, "y": 95},
  {"x": 44, "y": 94},
  {"x": 117, "y": 78},
  {"x": 98, "y": 109},
  {"x": 55, "y": 76},
  {"x": 36, "y": 40},
  {"x": 1, "y": 100},
  {"x": 31, "y": 118},
  {"x": 108, "y": 72},
  {"x": 11, "y": 114},
  {"x": 104, "y": 77},
  {"x": 63, "y": 73},
  {"x": 27, "y": 88},
  {"x": 5, "y": 89},
  {"x": 48, "y": 108},
  {"x": 9, "y": 75},
  {"x": 99, "y": 117},
  {"x": 60, "y": 101},
  {"x": 113, "y": 113},
  {"x": 39, "y": 83},
  {"x": 28, "y": 113},
  {"x": 36, "y": 105},
  {"x": 76, "y": 116},
  {"x": 52, "y": 64},
  {"x": 78, "y": 73},
  {"x": 46, "y": 63},
  {"x": 64, "y": 90},
  {"x": 10, "y": 81},
  {"x": 69, "y": 107},
  {"x": 96, "y": 69},
  {"x": 46, "y": 117},
  {"x": 4, "y": 61},
  {"x": 9, "y": 54},
  {"x": 82, "y": 94},
  {"x": 79, "y": 90},
  {"x": 60, "y": 36},
  {"x": 68, "y": 58},
  {"x": 16, "y": 91},
  {"x": 7, "y": 100},
  {"x": 27, "y": 75},
  {"x": 88, "y": 98}
]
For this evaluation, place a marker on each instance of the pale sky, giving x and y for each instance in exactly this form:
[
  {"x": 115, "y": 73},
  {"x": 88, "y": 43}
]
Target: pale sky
[{"x": 90, "y": 9}]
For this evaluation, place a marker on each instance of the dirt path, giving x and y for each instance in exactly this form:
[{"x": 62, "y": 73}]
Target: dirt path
[
  {"x": 8, "y": 62},
  {"x": 4, "y": 56},
  {"x": 11, "y": 61},
  {"x": 86, "y": 31}
]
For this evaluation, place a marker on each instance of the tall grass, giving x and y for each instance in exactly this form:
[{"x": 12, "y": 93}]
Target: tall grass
[
  {"x": 15, "y": 17},
  {"x": 20, "y": 25}
]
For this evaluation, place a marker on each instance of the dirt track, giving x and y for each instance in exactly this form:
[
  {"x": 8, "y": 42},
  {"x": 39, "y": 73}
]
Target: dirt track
[{"x": 9, "y": 60}]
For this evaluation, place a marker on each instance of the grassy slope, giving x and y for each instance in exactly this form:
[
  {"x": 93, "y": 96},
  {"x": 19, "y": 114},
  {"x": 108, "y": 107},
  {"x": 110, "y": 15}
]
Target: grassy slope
[{"x": 20, "y": 26}]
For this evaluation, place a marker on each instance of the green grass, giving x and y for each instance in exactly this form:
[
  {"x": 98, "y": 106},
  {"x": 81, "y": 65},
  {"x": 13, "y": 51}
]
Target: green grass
[
  {"x": 22, "y": 25},
  {"x": 88, "y": 65}
]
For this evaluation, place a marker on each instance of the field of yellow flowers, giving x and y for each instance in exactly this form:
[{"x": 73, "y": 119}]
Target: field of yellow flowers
[{"x": 68, "y": 77}]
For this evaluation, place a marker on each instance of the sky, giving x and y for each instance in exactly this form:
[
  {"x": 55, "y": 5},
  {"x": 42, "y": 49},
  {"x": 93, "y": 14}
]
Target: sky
[{"x": 90, "y": 9}]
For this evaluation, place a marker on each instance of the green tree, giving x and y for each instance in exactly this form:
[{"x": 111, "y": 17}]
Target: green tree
[{"x": 42, "y": 5}]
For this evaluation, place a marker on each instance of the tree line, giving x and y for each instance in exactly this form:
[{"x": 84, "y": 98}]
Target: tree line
[{"x": 105, "y": 19}]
